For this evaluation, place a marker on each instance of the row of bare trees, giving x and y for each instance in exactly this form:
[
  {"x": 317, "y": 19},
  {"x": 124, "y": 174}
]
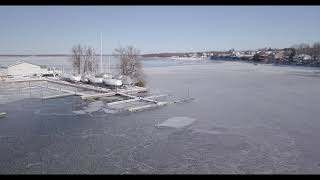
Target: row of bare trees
[{"x": 84, "y": 61}]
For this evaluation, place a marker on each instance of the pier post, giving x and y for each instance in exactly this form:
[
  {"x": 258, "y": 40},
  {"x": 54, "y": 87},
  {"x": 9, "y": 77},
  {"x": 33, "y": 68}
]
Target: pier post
[
  {"x": 73, "y": 103},
  {"x": 29, "y": 89},
  {"x": 42, "y": 100}
]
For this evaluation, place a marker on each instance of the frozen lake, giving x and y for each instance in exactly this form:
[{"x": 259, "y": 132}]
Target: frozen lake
[
  {"x": 64, "y": 61},
  {"x": 245, "y": 119}
]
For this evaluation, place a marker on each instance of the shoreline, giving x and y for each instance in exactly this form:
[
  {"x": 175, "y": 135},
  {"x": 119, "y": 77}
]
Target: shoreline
[{"x": 236, "y": 62}]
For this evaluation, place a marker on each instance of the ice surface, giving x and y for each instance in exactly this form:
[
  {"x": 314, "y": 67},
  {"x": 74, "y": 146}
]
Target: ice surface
[
  {"x": 177, "y": 122},
  {"x": 110, "y": 111},
  {"x": 249, "y": 119}
]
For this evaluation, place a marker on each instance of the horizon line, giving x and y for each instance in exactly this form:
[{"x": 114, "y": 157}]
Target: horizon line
[{"x": 62, "y": 54}]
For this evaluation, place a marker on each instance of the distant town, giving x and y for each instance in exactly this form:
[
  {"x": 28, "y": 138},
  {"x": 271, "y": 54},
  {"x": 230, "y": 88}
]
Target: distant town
[{"x": 302, "y": 54}]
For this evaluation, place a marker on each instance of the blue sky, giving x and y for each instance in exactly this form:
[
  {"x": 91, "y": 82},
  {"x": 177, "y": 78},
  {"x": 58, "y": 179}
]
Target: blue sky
[{"x": 55, "y": 29}]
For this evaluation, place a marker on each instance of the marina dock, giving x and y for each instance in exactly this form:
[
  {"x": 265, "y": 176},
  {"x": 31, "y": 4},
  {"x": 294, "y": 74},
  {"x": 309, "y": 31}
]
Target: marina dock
[{"x": 124, "y": 98}]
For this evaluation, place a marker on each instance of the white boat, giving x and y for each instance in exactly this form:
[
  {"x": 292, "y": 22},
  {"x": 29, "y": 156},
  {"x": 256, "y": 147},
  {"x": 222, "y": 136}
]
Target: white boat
[
  {"x": 75, "y": 78},
  {"x": 106, "y": 76},
  {"x": 112, "y": 82},
  {"x": 72, "y": 78},
  {"x": 52, "y": 71},
  {"x": 85, "y": 78},
  {"x": 95, "y": 80}
]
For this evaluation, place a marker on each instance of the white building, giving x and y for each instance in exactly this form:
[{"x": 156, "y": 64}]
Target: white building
[
  {"x": 302, "y": 58},
  {"x": 23, "y": 69},
  {"x": 306, "y": 57},
  {"x": 279, "y": 55},
  {"x": 269, "y": 52}
]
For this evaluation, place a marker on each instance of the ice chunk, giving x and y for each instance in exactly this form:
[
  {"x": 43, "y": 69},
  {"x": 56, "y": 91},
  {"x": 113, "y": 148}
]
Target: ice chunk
[
  {"x": 79, "y": 112},
  {"x": 94, "y": 106},
  {"x": 177, "y": 122},
  {"x": 110, "y": 111}
]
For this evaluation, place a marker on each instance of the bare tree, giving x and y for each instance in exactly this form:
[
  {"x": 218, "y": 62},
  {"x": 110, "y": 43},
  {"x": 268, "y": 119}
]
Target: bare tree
[
  {"x": 302, "y": 48},
  {"x": 83, "y": 60},
  {"x": 130, "y": 64},
  {"x": 93, "y": 62},
  {"x": 77, "y": 52},
  {"x": 316, "y": 45},
  {"x": 315, "y": 53},
  {"x": 89, "y": 60}
]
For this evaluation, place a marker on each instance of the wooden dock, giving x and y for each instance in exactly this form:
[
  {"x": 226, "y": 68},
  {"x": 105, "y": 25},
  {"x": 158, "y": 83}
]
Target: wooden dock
[
  {"x": 23, "y": 80},
  {"x": 99, "y": 95},
  {"x": 100, "y": 92},
  {"x": 60, "y": 89},
  {"x": 80, "y": 86},
  {"x": 134, "y": 99},
  {"x": 148, "y": 106}
]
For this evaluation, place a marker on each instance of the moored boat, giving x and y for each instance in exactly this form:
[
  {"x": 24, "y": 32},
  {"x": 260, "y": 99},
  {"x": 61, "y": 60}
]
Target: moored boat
[
  {"x": 95, "y": 80},
  {"x": 72, "y": 78},
  {"x": 112, "y": 82}
]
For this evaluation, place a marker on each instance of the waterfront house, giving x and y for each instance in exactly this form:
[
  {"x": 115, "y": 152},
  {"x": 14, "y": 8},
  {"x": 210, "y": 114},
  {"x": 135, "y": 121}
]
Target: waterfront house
[
  {"x": 279, "y": 55},
  {"x": 302, "y": 59}
]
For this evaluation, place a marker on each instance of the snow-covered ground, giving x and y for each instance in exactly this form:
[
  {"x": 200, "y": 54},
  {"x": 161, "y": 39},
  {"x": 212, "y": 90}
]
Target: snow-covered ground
[{"x": 246, "y": 118}]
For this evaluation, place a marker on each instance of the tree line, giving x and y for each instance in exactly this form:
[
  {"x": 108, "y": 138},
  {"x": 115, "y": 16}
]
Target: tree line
[
  {"x": 84, "y": 61},
  {"x": 311, "y": 50}
]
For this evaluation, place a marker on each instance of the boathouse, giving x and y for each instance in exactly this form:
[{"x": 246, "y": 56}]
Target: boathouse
[{"x": 23, "y": 69}]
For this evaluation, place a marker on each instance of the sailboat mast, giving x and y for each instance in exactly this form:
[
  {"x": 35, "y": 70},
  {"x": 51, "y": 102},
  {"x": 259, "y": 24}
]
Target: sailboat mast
[
  {"x": 92, "y": 56},
  {"x": 100, "y": 52},
  {"x": 109, "y": 64}
]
